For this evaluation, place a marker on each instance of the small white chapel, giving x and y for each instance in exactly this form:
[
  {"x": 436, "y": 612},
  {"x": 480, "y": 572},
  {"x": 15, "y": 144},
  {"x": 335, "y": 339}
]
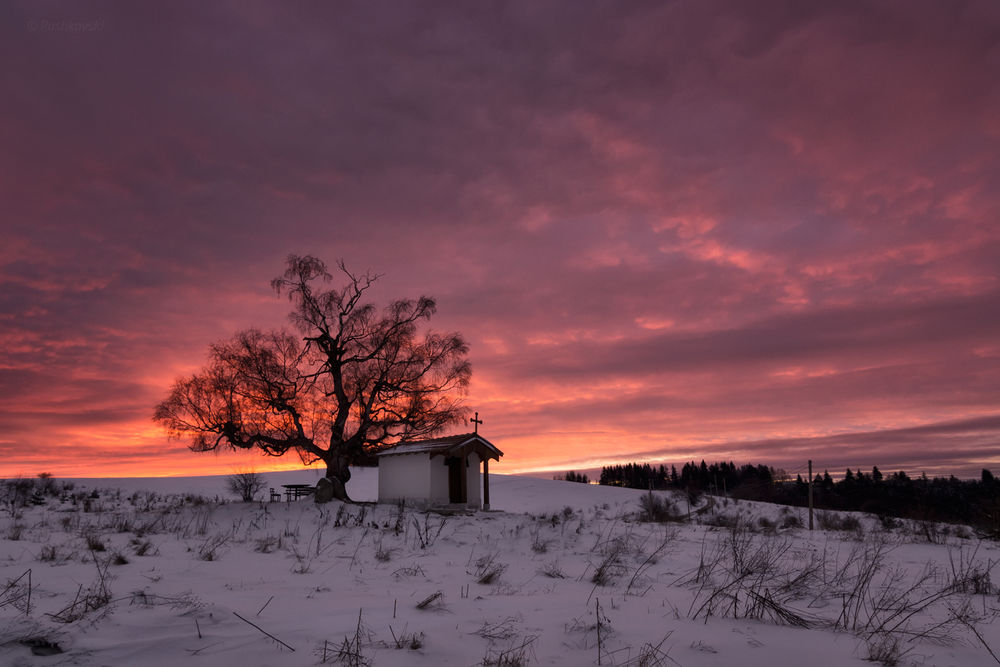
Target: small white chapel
[{"x": 438, "y": 472}]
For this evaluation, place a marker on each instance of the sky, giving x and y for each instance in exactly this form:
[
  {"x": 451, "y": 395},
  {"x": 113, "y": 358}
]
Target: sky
[{"x": 761, "y": 232}]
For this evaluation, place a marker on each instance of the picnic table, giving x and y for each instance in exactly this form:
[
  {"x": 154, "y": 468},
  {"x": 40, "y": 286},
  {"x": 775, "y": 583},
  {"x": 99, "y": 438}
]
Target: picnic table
[{"x": 296, "y": 491}]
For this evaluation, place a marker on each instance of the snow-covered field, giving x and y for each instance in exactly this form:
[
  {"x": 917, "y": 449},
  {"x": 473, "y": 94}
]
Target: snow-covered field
[{"x": 173, "y": 571}]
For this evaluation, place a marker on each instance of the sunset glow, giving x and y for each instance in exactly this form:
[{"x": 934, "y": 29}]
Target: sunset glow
[{"x": 759, "y": 232}]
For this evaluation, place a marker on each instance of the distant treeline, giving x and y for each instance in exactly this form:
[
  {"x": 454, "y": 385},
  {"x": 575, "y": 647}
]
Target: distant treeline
[
  {"x": 973, "y": 502},
  {"x": 573, "y": 476},
  {"x": 725, "y": 477}
]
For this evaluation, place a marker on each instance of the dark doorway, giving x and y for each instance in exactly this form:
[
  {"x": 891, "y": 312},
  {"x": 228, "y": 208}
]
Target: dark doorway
[{"x": 456, "y": 479}]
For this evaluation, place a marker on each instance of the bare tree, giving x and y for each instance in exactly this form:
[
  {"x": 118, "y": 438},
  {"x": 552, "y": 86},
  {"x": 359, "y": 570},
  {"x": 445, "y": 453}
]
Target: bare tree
[
  {"x": 246, "y": 484},
  {"x": 355, "y": 380}
]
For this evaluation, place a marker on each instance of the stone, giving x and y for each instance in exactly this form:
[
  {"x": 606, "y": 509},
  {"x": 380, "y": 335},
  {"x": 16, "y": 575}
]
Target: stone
[
  {"x": 328, "y": 489},
  {"x": 324, "y": 491}
]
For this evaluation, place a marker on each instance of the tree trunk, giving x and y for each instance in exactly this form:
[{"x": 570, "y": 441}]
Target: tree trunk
[{"x": 338, "y": 472}]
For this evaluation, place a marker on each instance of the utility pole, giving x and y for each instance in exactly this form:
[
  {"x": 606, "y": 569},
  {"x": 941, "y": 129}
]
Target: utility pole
[{"x": 810, "y": 494}]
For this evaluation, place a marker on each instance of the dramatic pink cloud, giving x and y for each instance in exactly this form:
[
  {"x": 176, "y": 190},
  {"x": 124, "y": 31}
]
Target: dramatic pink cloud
[{"x": 764, "y": 232}]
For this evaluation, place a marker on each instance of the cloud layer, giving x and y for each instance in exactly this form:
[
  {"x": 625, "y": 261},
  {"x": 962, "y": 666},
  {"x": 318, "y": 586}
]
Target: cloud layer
[{"x": 681, "y": 230}]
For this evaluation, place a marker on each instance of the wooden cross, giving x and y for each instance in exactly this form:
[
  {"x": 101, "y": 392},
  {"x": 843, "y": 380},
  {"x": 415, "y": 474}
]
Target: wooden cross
[{"x": 476, "y": 421}]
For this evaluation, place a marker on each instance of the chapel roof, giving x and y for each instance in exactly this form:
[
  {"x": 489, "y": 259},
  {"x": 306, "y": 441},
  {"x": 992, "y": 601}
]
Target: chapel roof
[{"x": 445, "y": 446}]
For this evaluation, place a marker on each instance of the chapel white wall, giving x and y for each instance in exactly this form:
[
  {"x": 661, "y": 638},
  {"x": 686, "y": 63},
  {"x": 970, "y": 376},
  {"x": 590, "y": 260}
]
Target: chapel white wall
[{"x": 404, "y": 477}]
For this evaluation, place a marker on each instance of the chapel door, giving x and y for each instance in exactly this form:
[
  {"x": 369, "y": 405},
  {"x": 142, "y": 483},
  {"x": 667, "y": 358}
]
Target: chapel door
[{"x": 456, "y": 475}]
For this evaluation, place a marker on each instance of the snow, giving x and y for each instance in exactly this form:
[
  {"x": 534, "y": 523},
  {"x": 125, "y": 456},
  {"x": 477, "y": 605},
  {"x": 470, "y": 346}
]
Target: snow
[{"x": 303, "y": 573}]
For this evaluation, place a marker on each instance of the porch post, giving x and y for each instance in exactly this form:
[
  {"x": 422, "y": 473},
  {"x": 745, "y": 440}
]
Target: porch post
[
  {"x": 464, "y": 484},
  {"x": 486, "y": 484}
]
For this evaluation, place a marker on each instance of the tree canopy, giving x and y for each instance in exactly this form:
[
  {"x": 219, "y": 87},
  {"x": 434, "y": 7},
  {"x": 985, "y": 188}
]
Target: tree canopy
[{"x": 350, "y": 379}]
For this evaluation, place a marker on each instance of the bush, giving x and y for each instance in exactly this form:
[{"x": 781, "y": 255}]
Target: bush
[
  {"x": 245, "y": 484},
  {"x": 488, "y": 569},
  {"x": 94, "y": 542},
  {"x": 764, "y": 523},
  {"x": 656, "y": 508},
  {"x": 835, "y": 521},
  {"x": 141, "y": 547},
  {"x": 47, "y": 485},
  {"x": 15, "y": 493}
]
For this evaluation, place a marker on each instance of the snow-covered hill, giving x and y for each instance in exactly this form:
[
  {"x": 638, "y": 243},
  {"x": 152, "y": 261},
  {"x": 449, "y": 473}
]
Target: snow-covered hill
[{"x": 158, "y": 572}]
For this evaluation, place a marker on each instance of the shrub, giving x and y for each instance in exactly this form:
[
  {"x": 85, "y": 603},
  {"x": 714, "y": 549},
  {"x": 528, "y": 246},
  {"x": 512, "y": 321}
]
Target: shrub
[
  {"x": 538, "y": 545},
  {"x": 16, "y": 492},
  {"x": 246, "y": 484},
  {"x": 835, "y": 521},
  {"x": 47, "y": 485},
  {"x": 488, "y": 569},
  {"x": 766, "y": 524},
  {"x": 267, "y": 544},
  {"x": 611, "y": 565},
  {"x": 552, "y": 570},
  {"x": 94, "y": 542},
  {"x": 210, "y": 548},
  {"x": 383, "y": 554},
  {"x": 886, "y": 649},
  {"x": 656, "y": 508},
  {"x": 141, "y": 547},
  {"x": 929, "y": 531}
]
